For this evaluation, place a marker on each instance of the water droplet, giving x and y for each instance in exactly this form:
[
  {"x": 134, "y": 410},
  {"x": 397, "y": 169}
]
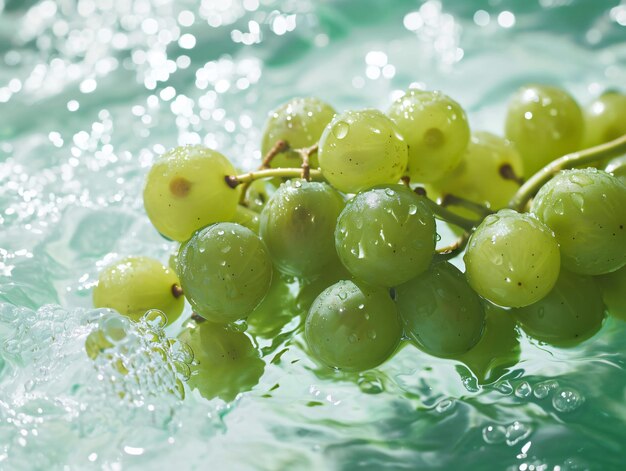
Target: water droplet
[
  {"x": 504, "y": 387},
  {"x": 389, "y": 192},
  {"x": 371, "y": 335},
  {"x": 226, "y": 249},
  {"x": 220, "y": 232},
  {"x": 523, "y": 389},
  {"x": 342, "y": 295},
  {"x": 567, "y": 400},
  {"x": 114, "y": 328},
  {"x": 580, "y": 178},
  {"x": 516, "y": 432},
  {"x": 543, "y": 389},
  {"x": 297, "y": 184},
  {"x": 444, "y": 405},
  {"x": 493, "y": 434},
  {"x": 578, "y": 200},
  {"x": 361, "y": 306},
  {"x": 340, "y": 129},
  {"x": 352, "y": 338},
  {"x": 156, "y": 319},
  {"x": 412, "y": 209}
]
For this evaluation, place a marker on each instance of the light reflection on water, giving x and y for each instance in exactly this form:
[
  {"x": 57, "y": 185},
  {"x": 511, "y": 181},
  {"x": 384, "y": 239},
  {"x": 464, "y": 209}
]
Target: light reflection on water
[{"x": 92, "y": 91}]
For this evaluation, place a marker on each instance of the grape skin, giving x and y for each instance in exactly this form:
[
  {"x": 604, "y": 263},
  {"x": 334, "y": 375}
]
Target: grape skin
[
  {"x": 386, "y": 236},
  {"x": 352, "y": 326},
  {"x": 586, "y": 209},
  {"x": 225, "y": 271},
  {"x": 436, "y": 130},
  {"x": 298, "y": 224},
  {"x": 512, "y": 259},
  {"x": 544, "y": 123},
  {"x": 613, "y": 287},
  {"x": 300, "y": 122},
  {"x": 361, "y": 149},
  {"x": 605, "y": 119},
  {"x": 569, "y": 314},
  {"x": 185, "y": 190},
  {"x": 135, "y": 285},
  {"x": 440, "y": 312}
]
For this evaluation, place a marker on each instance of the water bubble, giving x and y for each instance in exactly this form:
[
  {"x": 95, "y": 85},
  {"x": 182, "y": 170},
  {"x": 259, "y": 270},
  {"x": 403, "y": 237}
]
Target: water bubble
[
  {"x": 114, "y": 328},
  {"x": 370, "y": 385},
  {"x": 567, "y": 400},
  {"x": 389, "y": 192},
  {"x": 340, "y": 129},
  {"x": 493, "y": 434},
  {"x": 523, "y": 390},
  {"x": 342, "y": 295},
  {"x": 516, "y": 432},
  {"x": 504, "y": 387},
  {"x": 444, "y": 405},
  {"x": 543, "y": 389},
  {"x": 156, "y": 319}
]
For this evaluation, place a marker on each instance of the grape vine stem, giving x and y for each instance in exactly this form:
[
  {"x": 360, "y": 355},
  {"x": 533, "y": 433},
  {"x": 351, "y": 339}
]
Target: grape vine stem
[
  {"x": 448, "y": 216},
  {"x": 575, "y": 159},
  {"x": 234, "y": 180}
]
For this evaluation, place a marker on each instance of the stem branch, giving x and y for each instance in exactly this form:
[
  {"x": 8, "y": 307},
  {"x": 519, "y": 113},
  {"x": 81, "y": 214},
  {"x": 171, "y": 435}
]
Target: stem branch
[
  {"x": 234, "y": 180},
  {"x": 448, "y": 216}
]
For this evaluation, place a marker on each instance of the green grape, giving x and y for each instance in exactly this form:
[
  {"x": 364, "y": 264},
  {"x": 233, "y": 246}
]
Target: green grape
[
  {"x": 353, "y": 326},
  {"x": 435, "y": 129},
  {"x": 572, "y": 312},
  {"x": 486, "y": 174},
  {"x": 386, "y": 236},
  {"x": 135, "y": 285},
  {"x": 440, "y": 312},
  {"x": 361, "y": 149},
  {"x": 613, "y": 287},
  {"x": 497, "y": 350},
  {"x": 277, "y": 309},
  {"x": 617, "y": 168},
  {"x": 247, "y": 218},
  {"x": 225, "y": 361},
  {"x": 259, "y": 193},
  {"x": 300, "y": 122},
  {"x": 310, "y": 288},
  {"x": 225, "y": 271},
  {"x": 298, "y": 224},
  {"x": 544, "y": 123},
  {"x": 512, "y": 259},
  {"x": 586, "y": 209},
  {"x": 605, "y": 119},
  {"x": 172, "y": 261},
  {"x": 186, "y": 190}
]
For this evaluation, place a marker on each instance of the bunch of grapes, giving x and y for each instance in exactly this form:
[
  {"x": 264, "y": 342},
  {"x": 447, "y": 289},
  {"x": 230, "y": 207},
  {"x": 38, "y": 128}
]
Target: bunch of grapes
[{"x": 346, "y": 204}]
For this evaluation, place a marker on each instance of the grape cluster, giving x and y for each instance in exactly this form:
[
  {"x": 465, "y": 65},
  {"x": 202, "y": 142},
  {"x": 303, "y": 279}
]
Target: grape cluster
[{"x": 344, "y": 206}]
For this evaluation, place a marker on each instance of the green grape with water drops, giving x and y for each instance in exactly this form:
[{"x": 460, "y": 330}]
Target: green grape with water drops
[
  {"x": 134, "y": 285},
  {"x": 435, "y": 129},
  {"x": 353, "y": 326},
  {"x": 361, "y": 149},
  {"x": 185, "y": 190},
  {"x": 386, "y": 236},
  {"x": 617, "y": 168},
  {"x": 498, "y": 349},
  {"x": 225, "y": 360},
  {"x": 613, "y": 288},
  {"x": 441, "y": 314},
  {"x": 225, "y": 270},
  {"x": 298, "y": 224},
  {"x": 247, "y": 218},
  {"x": 488, "y": 174},
  {"x": 572, "y": 312},
  {"x": 300, "y": 122},
  {"x": 512, "y": 259},
  {"x": 586, "y": 209},
  {"x": 605, "y": 118},
  {"x": 310, "y": 288},
  {"x": 543, "y": 122}
]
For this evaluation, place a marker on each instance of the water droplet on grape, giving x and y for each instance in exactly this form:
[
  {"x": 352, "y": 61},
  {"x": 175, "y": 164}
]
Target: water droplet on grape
[
  {"x": 412, "y": 209},
  {"x": 340, "y": 129},
  {"x": 353, "y": 338},
  {"x": 371, "y": 335},
  {"x": 342, "y": 295}
]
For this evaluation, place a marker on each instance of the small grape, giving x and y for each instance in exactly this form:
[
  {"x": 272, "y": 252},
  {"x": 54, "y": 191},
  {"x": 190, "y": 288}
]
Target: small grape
[
  {"x": 361, "y": 149},
  {"x": 486, "y": 175},
  {"x": 512, "y": 259},
  {"x": 605, "y": 119},
  {"x": 186, "y": 190},
  {"x": 247, "y": 218},
  {"x": 353, "y": 326},
  {"x": 225, "y": 360},
  {"x": 225, "y": 271},
  {"x": 586, "y": 209},
  {"x": 544, "y": 123},
  {"x": 440, "y": 312},
  {"x": 435, "y": 129},
  {"x": 569, "y": 314},
  {"x": 300, "y": 122},
  {"x": 613, "y": 287},
  {"x": 499, "y": 347},
  {"x": 135, "y": 285},
  {"x": 386, "y": 236},
  {"x": 298, "y": 225}
]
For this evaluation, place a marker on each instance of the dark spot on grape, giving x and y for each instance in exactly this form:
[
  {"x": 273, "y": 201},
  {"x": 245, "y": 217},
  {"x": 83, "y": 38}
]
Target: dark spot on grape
[{"x": 180, "y": 187}]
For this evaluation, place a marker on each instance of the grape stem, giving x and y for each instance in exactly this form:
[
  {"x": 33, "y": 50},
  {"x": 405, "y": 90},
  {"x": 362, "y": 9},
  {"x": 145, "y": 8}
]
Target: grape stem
[
  {"x": 575, "y": 159},
  {"x": 305, "y": 155},
  {"x": 197, "y": 318},
  {"x": 448, "y": 216},
  {"x": 453, "y": 200},
  {"x": 279, "y": 147},
  {"x": 450, "y": 251},
  {"x": 235, "y": 180}
]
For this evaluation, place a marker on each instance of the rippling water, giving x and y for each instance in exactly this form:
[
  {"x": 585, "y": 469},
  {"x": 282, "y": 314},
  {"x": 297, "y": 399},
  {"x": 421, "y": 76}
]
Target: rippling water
[{"x": 92, "y": 90}]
